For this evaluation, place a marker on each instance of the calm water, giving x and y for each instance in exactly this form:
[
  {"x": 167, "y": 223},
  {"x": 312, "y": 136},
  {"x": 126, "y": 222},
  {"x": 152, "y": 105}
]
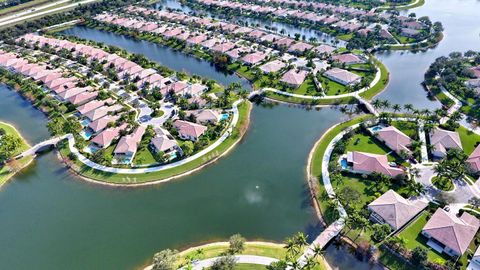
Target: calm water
[
  {"x": 161, "y": 54},
  {"x": 462, "y": 29},
  {"x": 289, "y": 30},
  {"x": 51, "y": 220}
]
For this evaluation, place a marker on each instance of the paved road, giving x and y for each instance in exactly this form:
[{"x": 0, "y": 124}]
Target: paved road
[{"x": 33, "y": 13}]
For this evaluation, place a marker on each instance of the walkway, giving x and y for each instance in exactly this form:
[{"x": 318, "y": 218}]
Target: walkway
[
  {"x": 368, "y": 105},
  {"x": 378, "y": 75},
  {"x": 423, "y": 138},
  {"x": 86, "y": 161},
  {"x": 455, "y": 107},
  {"x": 245, "y": 259},
  {"x": 34, "y": 149}
]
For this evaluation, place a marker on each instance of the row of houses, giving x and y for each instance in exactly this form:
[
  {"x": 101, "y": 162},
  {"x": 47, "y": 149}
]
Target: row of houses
[
  {"x": 474, "y": 84},
  {"x": 248, "y": 33},
  {"x": 124, "y": 67}
]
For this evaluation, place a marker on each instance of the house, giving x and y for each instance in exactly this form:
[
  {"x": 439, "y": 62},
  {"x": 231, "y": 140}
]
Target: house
[
  {"x": 83, "y": 98},
  {"x": 473, "y": 160},
  {"x": 348, "y": 59},
  {"x": 342, "y": 76},
  {"x": 127, "y": 145},
  {"x": 475, "y": 261},
  {"x": 90, "y": 106},
  {"x": 476, "y": 71},
  {"x": 444, "y": 140},
  {"x": 105, "y": 138},
  {"x": 178, "y": 87},
  {"x": 254, "y": 58},
  {"x": 450, "y": 234},
  {"x": 394, "y": 139},
  {"x": 102, "y": 123},
  {"x": 73, "y": 92},
  {"x": 272, "y": 66},
  {"x": 473, "y": 83},
  {"x": 392, "y": 209},
  {"x": 324, "y": 49},
  {"x": 204, "y": 116},
  {"x": 223, "y": 47},
  {"x": 237, "y": 52},
  {"x": 165, "y": 144},
  {"x": 367, "y": 163},
  {"x": 188, "y": 130},
  {"x": 407, "y": 32},
  {"x": 299, "y": 47},
  {"x": 294, "y": 78}
]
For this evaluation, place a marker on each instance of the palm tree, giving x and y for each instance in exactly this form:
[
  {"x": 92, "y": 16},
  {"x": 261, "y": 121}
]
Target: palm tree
[
  {"x": 396, "y": 108},
  {"x": 386, "y": 104},
  {"x": 408, "y": 107},
  {"x": 317, "y": 251},
  {"x": 377, "y": 104}
]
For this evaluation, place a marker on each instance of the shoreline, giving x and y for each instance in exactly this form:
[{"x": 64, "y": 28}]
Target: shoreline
[
  {"x": 25, "y": 144},
  {"x": 170, "y": 178}
]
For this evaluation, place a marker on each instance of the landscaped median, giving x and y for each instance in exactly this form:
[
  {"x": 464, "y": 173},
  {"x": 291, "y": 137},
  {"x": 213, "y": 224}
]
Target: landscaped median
[
  {"x": 139, "y": 179},
  {"x": 8, "y": 170}
]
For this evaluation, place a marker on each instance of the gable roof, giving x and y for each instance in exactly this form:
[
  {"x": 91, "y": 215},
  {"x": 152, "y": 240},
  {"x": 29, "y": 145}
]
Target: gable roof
[
  {"x": 455, "y": 233},
  {"x": 474, "y": 160},
  {"x": 443, "y": 140},
  {"x": 189, "y": 128},
  {"x": 373, "y": 163},
  {"x": 395, "y": 209}
]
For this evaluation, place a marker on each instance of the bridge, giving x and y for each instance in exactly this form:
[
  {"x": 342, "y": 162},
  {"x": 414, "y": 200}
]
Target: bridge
[
  {"x": 41, "y": 146},
  {"x": 367, "y": 105}
]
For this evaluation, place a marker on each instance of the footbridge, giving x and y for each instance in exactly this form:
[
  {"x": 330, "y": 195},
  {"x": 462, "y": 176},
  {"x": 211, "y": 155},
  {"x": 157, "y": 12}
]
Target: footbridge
[{"x": 41, "y": 146}]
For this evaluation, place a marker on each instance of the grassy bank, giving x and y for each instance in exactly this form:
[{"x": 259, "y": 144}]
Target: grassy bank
[
  {"x": 5, "y": 171},
  {"x": 316, "y": 162},
  {"x": 381, "y": 84},
  {"x": 272, "y": 250},
  {"x": 132, "y": 179}
]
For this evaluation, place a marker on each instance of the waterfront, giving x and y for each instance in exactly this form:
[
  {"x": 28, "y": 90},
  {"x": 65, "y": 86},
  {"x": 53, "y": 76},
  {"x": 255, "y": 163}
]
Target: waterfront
[{"x": 61, "y": 222}]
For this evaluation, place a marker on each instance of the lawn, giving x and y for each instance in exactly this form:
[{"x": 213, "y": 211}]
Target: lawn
[
  {"x": 391, "y": 261},
  {"x": 333, "y": 101},
  {"x": 251, "y": 248},
  {"x": 332, "y": 88},
  {"x": 469, "y": 139},
  {"x": 381, "y": 84},
  {"x": 5, "y": 173},
  {"x": 307, "y": 88},
  {"x": 409, "y": 128},
  {"x": 144, "y": 157},
  {"x": 317, "y": 156},
  {"x": 82, "y": 169},
  {"x": 415, "y": 239},
  {"x": 366, "y": 143}
]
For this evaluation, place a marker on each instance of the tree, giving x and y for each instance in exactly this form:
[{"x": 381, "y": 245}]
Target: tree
[
  {"x": 165, "y": 260},
  {"x": 236, "y": 243},
  {"x": 224, "y": 263},
  {"x": 187, "y": 148},
  {"x": 419, "y": 256},
  {"x": 8, "y": 147},
  {"x": 380, "y": 232},
  {"x": 349, "y": 196}
]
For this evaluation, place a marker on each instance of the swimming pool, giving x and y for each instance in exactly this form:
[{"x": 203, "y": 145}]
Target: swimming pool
[
  {"x": 86, "y": 134},
  {"x": 377, "y": 128},
  {"x": 344, "y": 163},
  {"x": 224, "y": 116},
  {"x": 85, "y": 122}
]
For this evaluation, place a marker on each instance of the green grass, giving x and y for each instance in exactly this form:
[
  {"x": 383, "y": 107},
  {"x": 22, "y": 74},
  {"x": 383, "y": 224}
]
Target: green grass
[
  {"x": 380, "y": 85},
  {"x": 333, "y": 101},
  {"x": 414, "y": 239},
  {"x": 144, "y": 157},
  {"x": 332, "y": 88},
  {"x": 244, "y": 111},
  {"x": 409, "y": 128},
  {"x": 443, "y": 183},
  {"x": 271, "y": 250},
  {"x": 391, "y": 261},
  {"x": 366, "y": 143},
  {"x": 5, "y": 172},
  {"x": 307, "y": 87},
  {"x": 317, "y": 156},
  {"x": 246, "y": 266},
  {"x": 469, "y": 139}
]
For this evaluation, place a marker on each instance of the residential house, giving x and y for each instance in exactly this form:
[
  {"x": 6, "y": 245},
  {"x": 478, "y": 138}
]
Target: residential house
[
  {"x": 294, "y": 78},
  {"x": 188, "y": 130},
  {"x": 348, "y": 59},
  {"x": 272, "y": 66},
  {"x": 204, "y": 116},
  {"x": 127, "y": 146},
  {"x": 253, "y": 58},
  {"x": 444, "y": 140},
  {"x": 105, "y": 138},
  {"x": 392, "y": 209},
  {"x": 342, "y": 76},
  {"x": 450, "y": 234},
  {"x": 367, "y": 163},
  {"x": 394, "y": 139},
  {"x": 473, "y": 160}
]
